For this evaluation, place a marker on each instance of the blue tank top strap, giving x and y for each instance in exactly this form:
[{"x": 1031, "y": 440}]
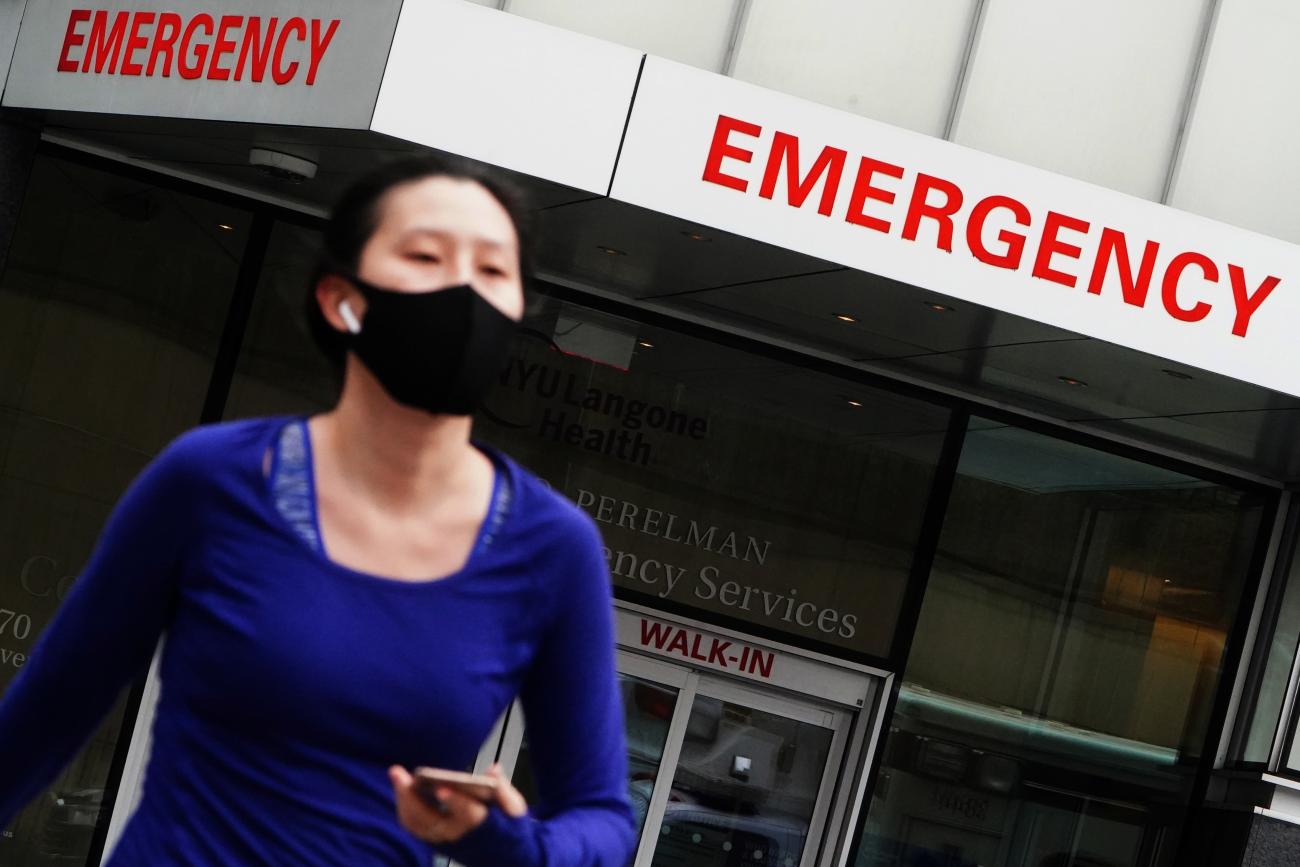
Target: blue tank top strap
[
  {"x": 293, "y": 487},
  {"x": 292, "y": 482},
  {"x": 499, "y": 506}
]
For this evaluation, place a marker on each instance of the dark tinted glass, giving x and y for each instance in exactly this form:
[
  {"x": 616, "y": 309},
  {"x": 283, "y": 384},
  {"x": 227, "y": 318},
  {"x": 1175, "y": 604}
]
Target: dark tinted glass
[
  {"x": 1070, "y": 643},
  {"x": 111, "y": 307},
  {"x": 724, "y": 480},
  {"x": 280, "y": 370}
]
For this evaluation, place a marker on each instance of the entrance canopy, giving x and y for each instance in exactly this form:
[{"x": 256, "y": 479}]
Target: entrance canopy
[{"x": 671, "y": 189}]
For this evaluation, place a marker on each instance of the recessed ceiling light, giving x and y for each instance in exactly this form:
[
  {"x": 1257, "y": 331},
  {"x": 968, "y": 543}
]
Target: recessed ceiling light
[
  {"x": 853, "y": 402},
  {"x": 646, "y": 343},
  {"x": 844, "y": 317},
  {"x": 937, "y": 307},
  {"x": 696, "y": 236},
  {"x": 610, "y": 251},
  {"x": 225, "y": 227},
  {"x": 1175, "y": 374},
  {"x": 1070, "y": 380}
]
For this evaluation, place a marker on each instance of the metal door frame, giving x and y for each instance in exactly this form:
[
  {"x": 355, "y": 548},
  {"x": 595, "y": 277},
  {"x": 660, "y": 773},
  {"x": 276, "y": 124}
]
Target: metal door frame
[
  {"x": 805, "y": 710},
  {"x": 856, "y": 733},
  {"x": 508, "y": 735}
]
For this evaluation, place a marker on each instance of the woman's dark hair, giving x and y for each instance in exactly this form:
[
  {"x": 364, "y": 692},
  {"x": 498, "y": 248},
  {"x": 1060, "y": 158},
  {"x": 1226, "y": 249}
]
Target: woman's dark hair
[{"x": 357, "y": 213}]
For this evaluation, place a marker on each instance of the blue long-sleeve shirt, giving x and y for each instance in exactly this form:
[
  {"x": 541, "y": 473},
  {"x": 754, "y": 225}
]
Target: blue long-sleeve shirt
[{"x": 290, "y": 682}]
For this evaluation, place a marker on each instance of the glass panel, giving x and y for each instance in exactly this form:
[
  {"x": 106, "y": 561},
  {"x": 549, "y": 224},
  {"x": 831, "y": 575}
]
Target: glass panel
[
  {"x": 648, "y": 710},
  {"x": 111, "y": 307},
  {"x": 745, "y": 788},
  {"x": 723, "y": 480},
  {"x": 1281, "y": 651},
  {"x": 1069, "y": 646},
  {"x": 280, "y": 370}
]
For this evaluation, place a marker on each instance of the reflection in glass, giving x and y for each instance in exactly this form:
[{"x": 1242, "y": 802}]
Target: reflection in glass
[
  {"x": 280, "y": 370},
  {"x": 1069, "y": 646},
  {"x": 112, "y": 302},
  {"x": 720, "y": 479},
  {"x": 744, "y": 790},
  {"x": 648, "y": 710}
]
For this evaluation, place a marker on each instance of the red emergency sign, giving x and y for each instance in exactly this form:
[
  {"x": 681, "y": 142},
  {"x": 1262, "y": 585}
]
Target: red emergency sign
[
  {"x": 995, "y": 229},
  {"x": 202, "y": 45}
]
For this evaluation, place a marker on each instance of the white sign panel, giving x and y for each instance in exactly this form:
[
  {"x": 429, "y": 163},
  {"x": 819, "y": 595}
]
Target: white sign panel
[
  {"x": 271, "y": 61},
  {"x": 727, "y": 654},
  {"x": 500, "y": 88},
  {"x": 924, "y": 211}
]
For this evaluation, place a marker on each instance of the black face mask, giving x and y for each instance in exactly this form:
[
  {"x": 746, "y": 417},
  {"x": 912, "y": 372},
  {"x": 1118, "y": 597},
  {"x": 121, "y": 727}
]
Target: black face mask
[{"x": 437, "y": 351}]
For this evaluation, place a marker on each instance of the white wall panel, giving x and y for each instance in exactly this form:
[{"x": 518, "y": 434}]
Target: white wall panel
[
  {"x": 11, "y": 12},
  {"x": 694, "y": 32},
  {"x": 892, "y": 61},
  {"x": 533, "y": 98},
  {"x": 1239, "y": 154},
  {"x": 1094, "y": 90}
]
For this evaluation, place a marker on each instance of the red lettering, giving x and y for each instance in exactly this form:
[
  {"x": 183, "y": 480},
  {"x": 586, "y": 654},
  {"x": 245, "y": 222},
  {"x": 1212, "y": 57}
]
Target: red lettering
[
  {"x": 720, "y": 149},
  {"x": 255, "y": 47},
  {"x": 1051, "y": 245},
  {"x": 200, "y": 53},
  {"x": 678, "y": 644},
  {"x": 761, "y": 663},
  {"x": 1174, "y": 272},
  {"x": 785, "y": 151},
  {"x": 942, "y": 214},
  {"x": 653, "y": 634},
  {"x": 318, "y": 45},
  {"x": 695, "y": 649},
  {"x": 284, "y": 74},
  {"x": 1015, "y": 241},
  {"x": 1113, "y": 244},
  {"x": 1247, "y": 302},
  {"x": 105, "y": 44},
  {"x": 134, "y": 42},
  {"x": 717, "y": 651},
  {"x": 223, "y": 46},
  {"x": 164, "y": 40},
  {"x": 203, "y": 45},
  {"x": 864, "y": 190},
  {"x": 71, "y": 39}
]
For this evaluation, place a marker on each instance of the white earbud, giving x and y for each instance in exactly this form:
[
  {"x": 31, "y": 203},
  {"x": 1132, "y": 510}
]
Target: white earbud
[{"x": 349, "y": 318}]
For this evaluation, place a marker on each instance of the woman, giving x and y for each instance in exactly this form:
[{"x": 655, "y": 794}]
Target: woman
[{"x": 354, "y": 594}]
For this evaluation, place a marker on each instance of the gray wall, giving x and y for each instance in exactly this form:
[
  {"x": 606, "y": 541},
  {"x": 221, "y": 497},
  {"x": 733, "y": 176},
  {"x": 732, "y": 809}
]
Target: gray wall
[
  {"x": 11, "y": 12},
  {"x": 1187, "y": 102}
]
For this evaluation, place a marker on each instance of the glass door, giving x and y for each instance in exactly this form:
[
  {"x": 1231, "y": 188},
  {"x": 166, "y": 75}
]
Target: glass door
[
  {"x": 651, "y": 705},
  {"x": 719, "y": 773},
  {"x": 752, "y": 781}
]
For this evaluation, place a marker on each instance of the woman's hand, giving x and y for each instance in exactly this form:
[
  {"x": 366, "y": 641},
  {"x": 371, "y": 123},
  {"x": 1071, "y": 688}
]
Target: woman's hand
[{"x": 460, "y": 813}]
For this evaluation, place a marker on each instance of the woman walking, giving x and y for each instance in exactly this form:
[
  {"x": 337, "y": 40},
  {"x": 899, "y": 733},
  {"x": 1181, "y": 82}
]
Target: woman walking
[{"x": 354, "y": 594}]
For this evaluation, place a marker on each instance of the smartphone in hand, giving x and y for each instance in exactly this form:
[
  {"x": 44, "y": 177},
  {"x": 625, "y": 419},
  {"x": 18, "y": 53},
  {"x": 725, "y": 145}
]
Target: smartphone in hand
[{"x": 476, "y": 786}]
